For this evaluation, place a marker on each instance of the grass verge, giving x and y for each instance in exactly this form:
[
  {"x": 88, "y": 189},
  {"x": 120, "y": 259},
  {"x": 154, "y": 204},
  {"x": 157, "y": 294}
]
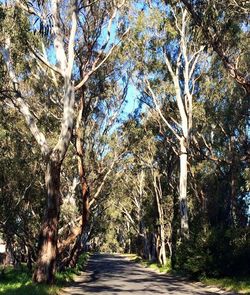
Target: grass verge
[
  {"x": 19, "y": 281},
  {"x": 152, "y": 265},
  {"x": 240, "y": 285}
]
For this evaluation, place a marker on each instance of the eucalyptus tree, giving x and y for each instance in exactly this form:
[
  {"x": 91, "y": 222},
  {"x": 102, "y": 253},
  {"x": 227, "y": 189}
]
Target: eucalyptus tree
[
  {"x": 20, "y": 209},
  {"x": 140, "y": 192},
  {"x": 168, "y": 71},
  {"x": 50, "y": 58},
  {"x": 223, "y": 26},
  {"x": 103, "y": 100},
  {"x": 221, "y": 138}
]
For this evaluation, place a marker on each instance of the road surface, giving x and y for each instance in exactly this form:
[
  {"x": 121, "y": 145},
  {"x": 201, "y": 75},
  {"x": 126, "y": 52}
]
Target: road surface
[{"x": 114, "y": 274}]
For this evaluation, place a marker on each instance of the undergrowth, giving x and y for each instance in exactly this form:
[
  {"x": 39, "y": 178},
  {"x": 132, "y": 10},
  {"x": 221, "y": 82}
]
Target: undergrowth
[{"x": 19, "y": 281}]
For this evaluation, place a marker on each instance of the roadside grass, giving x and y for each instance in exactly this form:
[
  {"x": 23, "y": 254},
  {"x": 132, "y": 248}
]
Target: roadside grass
[
  {"x": 240, "y": 285},
  {"x": 19, "y": 281},
  {"x": 152, "y": 265}
]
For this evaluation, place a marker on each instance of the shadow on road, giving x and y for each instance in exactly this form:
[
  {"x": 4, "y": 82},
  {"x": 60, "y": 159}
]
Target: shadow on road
[{"x": 113, "y": 274}]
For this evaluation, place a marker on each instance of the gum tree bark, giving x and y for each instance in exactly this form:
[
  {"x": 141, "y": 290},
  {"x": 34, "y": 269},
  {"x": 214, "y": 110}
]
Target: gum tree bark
[
  {"x": 71, "y": 260},
  {"x": 184, "y": 67},
  {"x": 161, "y": 253},
  {"x": 46, "y": 262},
  {"x": 64, "y": 16}
]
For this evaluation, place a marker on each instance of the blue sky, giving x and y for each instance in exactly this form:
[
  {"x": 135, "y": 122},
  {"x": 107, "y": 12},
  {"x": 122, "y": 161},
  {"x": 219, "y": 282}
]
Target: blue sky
[{"x": 132, "y": 102}]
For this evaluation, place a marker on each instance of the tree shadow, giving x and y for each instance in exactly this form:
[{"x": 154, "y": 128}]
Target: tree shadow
[{"x": 110, "y": 274}]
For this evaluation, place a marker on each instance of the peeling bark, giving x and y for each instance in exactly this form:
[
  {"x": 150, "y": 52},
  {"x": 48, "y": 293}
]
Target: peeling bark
[
  {"x": 46, "y": 262},
  {"x": 76, "y": 250},
  {"x": 76, "y": 236}
]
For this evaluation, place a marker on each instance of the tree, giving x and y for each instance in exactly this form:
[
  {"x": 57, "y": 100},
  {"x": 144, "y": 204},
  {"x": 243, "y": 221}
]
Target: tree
[
  {"x": 20, "y": 208},
  {"x": 171, "y": 55},
  {"x": 222, "y": 27},
  {"x": 59, "y": 59}
]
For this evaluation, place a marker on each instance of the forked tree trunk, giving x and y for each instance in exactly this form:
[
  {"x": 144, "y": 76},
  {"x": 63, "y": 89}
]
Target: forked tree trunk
[
  {"x": 163, "y": 246},
  {"x": 161, "y": 253},
  {"x": 76, "y": 250},
  {"x": 46, "y": 262},
  {"x": 183, "y": 190}
]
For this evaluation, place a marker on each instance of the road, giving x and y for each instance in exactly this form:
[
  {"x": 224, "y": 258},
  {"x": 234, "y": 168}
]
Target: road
[{"x": 114, "y": 274}]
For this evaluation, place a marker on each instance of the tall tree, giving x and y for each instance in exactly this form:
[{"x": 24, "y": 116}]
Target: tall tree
[
  {"x": 169, "y": 71},
  {"x": 224, "y": 28},
  {"x": 57, "y": 55}
]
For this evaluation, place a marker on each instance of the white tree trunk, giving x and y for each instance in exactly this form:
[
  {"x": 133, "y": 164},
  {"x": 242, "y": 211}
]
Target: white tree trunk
[{"x": 183, "y": 190}]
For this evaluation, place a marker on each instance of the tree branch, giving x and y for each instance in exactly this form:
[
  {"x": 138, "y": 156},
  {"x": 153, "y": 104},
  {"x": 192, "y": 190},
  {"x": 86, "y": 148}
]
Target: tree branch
[
  {"x": 21, "y": 105},
  {"x": 159, "y": 110}
]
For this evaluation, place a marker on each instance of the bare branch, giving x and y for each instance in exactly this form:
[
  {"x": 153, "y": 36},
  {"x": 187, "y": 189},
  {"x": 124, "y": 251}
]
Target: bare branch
[
  {"x": 44, "y": 60},
  {"x": 102, "y": 183},
  {"x": 58, "y": 37},
  {"x": 195, "y": 56},
  {"x": 169, "y": 66},
  {"x": 96, "y": 66},
  {"x": 72, "y": 41}
]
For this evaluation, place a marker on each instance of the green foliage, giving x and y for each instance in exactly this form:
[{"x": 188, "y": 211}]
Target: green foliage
[
  {"x": 216, "y": 252},
  {"x": 82, "y": 261},
  {"x": 19, "y": 281},
  {"x": 236, "y": 284},
  {"x": 161, "y": 268},
  {"x": 124, "y": 214},
  {"x": 152, "y": 265}
]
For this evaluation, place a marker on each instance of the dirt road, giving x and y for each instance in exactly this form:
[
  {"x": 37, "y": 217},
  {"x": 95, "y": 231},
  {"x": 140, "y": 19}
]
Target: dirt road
[{"x": 114, "y": 274}]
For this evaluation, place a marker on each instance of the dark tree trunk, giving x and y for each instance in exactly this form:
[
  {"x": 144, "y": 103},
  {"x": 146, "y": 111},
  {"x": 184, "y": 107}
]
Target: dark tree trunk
[
  {"x": 29, "y": 261},
  {"x": 9, "y": 257},
  {"x": 47, "y": 249},
  {"x": 153, "y": 250},
  {"x": 233, "y": 176},
  {"x": 174, "y": 231},
  {"x": 84, "y": 184},
  {"x": 76, "y": 249}
]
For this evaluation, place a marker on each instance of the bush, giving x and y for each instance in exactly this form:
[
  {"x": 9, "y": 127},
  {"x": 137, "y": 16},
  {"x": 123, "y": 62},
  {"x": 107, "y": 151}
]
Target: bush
[
  {"x": 216, "y": 253},
  {"x": 82, "y": 261}
]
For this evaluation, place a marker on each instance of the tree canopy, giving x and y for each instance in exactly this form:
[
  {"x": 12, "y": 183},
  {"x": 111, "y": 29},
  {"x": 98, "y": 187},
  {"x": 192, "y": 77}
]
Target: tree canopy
[{"x": 169, "y": 181}]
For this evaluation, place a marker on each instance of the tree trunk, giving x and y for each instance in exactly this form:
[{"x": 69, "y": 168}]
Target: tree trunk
[
  {"x": 83, "y": 180},
  {"x": 175, "y": 226},
  {"x": 128, "y": 241},
  {"x": 76, "y": 249},
  {"x": 9, "y": 256},
  {"x": 47, "y": 253},
  {"x": 161, "y": 242},
  {"x": 183, "y": 190},
  {"x": 153, "y": 248},
  {"x": 29, "y": 259},
  {"x": 161, "y": 253},
  {"x": 146, "y": 246},
  {"x": 233, "y": 183}
]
